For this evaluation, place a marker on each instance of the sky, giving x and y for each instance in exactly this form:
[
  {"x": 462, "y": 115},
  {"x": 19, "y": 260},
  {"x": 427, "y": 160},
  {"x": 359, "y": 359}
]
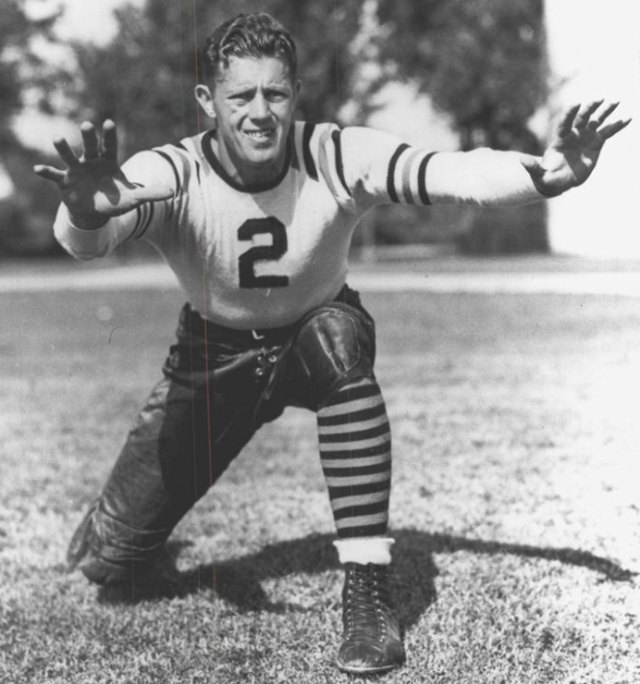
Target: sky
[{"x": 87, "y": 19}]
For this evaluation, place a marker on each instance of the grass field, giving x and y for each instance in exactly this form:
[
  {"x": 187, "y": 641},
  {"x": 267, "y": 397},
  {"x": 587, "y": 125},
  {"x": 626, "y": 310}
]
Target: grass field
[{"x": 515, "y": 503}]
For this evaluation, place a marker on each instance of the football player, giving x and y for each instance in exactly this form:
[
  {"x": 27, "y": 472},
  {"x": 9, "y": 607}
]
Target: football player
[{"x": 255, "y": 217}]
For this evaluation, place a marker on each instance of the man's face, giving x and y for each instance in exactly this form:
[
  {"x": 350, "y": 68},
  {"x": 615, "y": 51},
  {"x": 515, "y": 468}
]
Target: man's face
[{"x": 253, "y": 100}]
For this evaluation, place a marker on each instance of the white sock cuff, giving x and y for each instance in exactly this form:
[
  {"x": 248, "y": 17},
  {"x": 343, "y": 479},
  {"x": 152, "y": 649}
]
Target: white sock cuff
[{"x": 364, "y": 550}]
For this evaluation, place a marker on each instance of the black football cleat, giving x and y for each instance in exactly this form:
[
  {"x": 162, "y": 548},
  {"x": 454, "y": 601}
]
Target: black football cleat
[{"x": 371, "y": 639}]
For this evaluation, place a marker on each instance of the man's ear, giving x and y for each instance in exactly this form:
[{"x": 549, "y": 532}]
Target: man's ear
[{"x": 205, "y": 99}]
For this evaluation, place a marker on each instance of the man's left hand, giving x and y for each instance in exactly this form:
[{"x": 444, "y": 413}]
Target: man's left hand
[{"x": 574, "y": 149}]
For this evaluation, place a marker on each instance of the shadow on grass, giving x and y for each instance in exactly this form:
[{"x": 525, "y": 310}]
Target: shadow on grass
[{"x": 238, "y": 581}]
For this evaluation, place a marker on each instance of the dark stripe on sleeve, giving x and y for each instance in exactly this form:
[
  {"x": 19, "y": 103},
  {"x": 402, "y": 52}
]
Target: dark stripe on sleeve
[
  {"x": 391, "y": 191},
  {"x": 422, "y": 179},
  {"x": 309, "y": 164},
  {"x": 198, "y": 172},
  {"x": 142, "y": 213},
  {"x": 335, "y": 136},
  {"x": 137, "y": 225},
  {"x": 164, "y": 155},
  {"x": 138, "y": 219},
  {"x": 147, "y": 223}
]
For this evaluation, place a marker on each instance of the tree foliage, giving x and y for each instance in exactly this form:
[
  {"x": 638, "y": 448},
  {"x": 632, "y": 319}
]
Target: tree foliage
[
  {"x": 482, "y": 62},
  {"x": 25, "y": 214},
  {"x": 14, "y": 31},
  {"x": 19, "y": 63}
]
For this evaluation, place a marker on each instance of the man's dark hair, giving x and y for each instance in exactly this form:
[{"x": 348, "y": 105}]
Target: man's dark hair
[{"x": 249, "y": 35}]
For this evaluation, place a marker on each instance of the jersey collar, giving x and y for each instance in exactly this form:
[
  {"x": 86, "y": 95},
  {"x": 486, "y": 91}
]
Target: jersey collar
[{"x": 216, "y": 165}]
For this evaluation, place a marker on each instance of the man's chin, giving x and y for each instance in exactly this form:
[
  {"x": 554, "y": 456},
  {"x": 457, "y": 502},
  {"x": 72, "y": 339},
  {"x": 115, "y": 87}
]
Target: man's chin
[
  {"x": 266, "y": 160},
  {"x": 267, "y": 150}
]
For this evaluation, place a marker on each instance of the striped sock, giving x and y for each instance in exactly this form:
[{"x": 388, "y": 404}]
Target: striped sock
[{"x": 355, "y": 454}]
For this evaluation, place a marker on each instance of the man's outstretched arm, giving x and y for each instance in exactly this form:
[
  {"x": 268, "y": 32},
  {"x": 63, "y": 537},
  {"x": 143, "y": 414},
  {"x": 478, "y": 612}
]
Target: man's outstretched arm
[
  {"x": 495, "y": 178},
  {"x": 102, "y": 206}
]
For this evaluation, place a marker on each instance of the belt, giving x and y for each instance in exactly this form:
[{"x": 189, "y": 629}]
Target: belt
[
  {"x": 201, "y": 327},
  {"x": 213, "y": 332}
]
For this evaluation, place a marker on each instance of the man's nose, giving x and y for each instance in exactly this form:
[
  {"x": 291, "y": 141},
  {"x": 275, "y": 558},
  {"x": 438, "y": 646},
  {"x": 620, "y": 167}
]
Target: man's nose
[{"x": 259, "y": 107}]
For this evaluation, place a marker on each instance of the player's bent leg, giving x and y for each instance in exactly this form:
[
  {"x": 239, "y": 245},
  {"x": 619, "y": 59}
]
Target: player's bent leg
[
  {"x": 171, "y": 457},
  {"x": 336, "y": 349},
  {"x": 129, "y": 522}
]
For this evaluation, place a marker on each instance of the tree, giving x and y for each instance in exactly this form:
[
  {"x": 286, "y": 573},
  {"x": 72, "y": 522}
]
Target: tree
[
  {"x": 14, "y": 30},
  {"x": 19, "y": 62},
  {"x": 481, "y": 62},
  {"x": 25, "y": 216}
]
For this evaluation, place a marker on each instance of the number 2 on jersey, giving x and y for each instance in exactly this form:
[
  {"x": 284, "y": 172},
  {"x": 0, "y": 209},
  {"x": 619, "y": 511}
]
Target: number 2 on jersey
[{"x": 278, "y": 247}]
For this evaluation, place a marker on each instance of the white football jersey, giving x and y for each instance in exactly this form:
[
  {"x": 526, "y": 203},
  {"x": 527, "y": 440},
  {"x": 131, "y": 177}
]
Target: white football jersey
[{"x": 262, "y": 256}]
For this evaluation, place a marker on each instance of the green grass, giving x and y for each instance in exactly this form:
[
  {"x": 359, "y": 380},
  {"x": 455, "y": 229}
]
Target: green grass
[{"x": 515, "y": 503}]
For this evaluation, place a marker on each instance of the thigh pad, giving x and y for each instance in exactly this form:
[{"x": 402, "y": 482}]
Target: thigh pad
[{"x": 334, "y": 346}]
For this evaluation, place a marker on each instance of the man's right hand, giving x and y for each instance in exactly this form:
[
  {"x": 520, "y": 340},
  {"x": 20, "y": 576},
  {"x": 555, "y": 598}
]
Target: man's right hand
[{"x": 93, "y": 186}]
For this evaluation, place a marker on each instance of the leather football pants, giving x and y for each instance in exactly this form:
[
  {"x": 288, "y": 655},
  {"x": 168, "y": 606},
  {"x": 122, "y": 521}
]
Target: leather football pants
[{"x": 219, "y": 387}]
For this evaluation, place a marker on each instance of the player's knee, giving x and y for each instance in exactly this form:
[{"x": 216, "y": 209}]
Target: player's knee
[
  {"x": 334, "y": 347},
  {"x": 107, "y": 550}
]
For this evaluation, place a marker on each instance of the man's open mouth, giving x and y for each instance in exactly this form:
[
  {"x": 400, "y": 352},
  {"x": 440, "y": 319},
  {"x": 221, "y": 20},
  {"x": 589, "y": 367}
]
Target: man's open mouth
[{"x": 260, "y": 133}]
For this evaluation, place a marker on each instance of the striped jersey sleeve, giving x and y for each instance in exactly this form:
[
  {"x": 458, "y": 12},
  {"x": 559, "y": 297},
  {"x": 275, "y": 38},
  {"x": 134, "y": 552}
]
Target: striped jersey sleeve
[
  {"x": 318, "y": 149},
  {"x": 167, "y": 165},
  {"x": 144, "y": 168},
  {"x": 365, "y": 166}
]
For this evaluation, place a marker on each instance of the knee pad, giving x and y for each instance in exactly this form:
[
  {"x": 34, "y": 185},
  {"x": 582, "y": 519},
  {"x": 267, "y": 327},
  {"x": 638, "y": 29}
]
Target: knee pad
[{"x": 334, "y": 346}]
